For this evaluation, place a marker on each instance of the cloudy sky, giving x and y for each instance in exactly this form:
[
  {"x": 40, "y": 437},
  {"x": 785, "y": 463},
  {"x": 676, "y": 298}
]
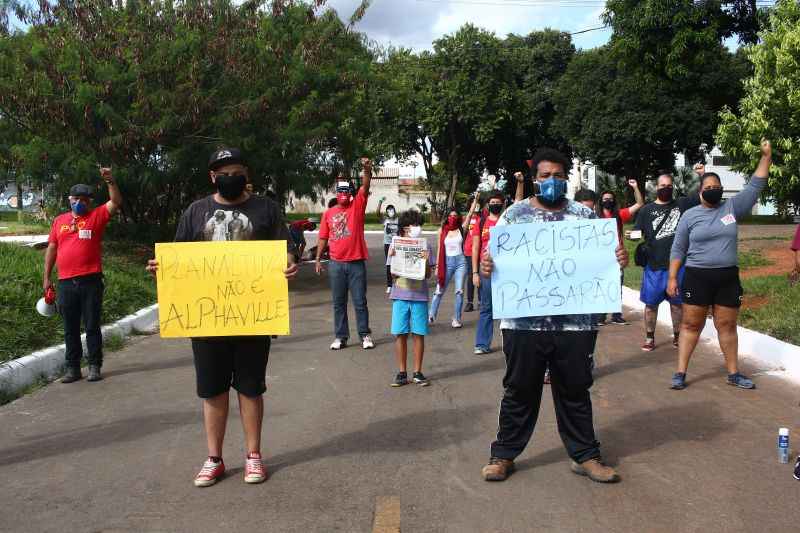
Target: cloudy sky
[{"x": 417, "y": 23}]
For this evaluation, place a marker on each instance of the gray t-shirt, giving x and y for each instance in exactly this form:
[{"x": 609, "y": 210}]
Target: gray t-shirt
[
  {"x": 521, "y": 213},
  {"x": 706, "y": 237}
]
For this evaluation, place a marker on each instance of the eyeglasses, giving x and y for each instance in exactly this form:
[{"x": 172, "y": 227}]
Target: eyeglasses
[{"x": 225, "y": 174}]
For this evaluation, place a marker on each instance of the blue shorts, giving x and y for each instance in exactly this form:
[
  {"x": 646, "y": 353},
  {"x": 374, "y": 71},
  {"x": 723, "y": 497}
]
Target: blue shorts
[
  {"x": 654, "y": 287},
  {"x": 409, "y": 316}
]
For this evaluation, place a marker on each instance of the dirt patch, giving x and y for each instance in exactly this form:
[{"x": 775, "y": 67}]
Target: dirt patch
[
  {"x": 754, "y": 302},
  {"x": 755, "y": 237},
  {"x": 782, "y": 259}
]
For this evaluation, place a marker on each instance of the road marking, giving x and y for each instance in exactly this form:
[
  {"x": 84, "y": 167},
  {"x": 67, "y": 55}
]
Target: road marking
[{"x": 387, "y": 515}]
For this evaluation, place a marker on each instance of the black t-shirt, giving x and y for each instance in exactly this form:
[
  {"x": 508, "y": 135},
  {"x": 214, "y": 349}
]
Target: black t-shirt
[
  {"x": 650, "y": 217},
  {"x": 256, "y": 218}
]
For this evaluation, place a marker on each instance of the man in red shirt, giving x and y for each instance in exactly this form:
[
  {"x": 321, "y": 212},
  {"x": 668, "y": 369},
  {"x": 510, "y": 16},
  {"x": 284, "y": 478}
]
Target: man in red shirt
[
  {"x": 342, "y": 230},
  {"x": 75, "y": 247}
]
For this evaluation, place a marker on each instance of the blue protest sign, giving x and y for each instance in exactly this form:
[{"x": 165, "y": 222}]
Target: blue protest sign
[{"x": 555, "y": 268}]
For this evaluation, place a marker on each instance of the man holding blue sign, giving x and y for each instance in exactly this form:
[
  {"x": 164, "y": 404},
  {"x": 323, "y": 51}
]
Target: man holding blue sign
[{"x": 549, "y": 275}]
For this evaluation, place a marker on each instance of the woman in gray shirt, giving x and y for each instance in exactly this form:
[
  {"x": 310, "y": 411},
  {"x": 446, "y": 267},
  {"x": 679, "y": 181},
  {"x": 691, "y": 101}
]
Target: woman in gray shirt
[{"x": 706, "y": 240}]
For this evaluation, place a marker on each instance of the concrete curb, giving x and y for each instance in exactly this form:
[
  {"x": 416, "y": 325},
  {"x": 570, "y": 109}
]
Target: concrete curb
[
  {"x": 767, "y": 354},
  {"x": 20, "y": 373}
]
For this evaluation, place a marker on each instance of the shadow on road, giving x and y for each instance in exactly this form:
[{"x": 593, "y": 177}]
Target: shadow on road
[
  {"x": 159, "y": 365},
  {"x": 53, "y": 444},
  {"x": 413, "y": 432},
  {"x": 644, "y": 431}
]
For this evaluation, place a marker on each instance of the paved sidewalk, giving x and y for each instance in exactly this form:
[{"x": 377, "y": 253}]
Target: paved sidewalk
[{"x": 342, "y": 446}]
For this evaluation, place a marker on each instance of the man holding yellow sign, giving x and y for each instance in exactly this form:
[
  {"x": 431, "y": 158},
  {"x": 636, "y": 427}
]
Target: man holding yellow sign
[{"x": 229, "y": 297}]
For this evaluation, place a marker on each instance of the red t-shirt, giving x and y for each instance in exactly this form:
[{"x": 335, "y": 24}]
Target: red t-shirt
[
  {"x": 474, "y": 221},
  {"x": 344, "y": 230},
  {"x": 796, "y": 241},
  {"x": 624, "y": 218},
  {"x": 79, "y": 251},
  {"x": 488, "y": 224}
]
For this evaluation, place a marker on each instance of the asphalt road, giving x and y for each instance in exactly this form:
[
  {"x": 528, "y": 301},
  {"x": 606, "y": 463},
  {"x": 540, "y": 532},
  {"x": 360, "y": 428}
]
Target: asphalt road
[{"x": 346, "y": 452}]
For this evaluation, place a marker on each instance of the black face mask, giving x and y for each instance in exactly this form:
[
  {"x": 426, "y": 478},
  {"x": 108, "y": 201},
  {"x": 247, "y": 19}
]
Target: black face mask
[
  {"x": 495, "y": 209},
  {"x": 231, "y": 187},
  {"x": 664, "y": 194},
  {"x": 609, "y": 204},
  {"x": 712, "y": 196}
]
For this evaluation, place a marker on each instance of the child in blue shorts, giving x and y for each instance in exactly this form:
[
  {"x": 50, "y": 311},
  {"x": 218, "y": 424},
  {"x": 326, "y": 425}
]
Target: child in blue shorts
[{"x": 410, "y": 306}]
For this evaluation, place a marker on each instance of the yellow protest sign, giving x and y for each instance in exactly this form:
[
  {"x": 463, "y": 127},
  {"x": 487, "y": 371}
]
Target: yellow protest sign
[{"x": 213, "y": 289}]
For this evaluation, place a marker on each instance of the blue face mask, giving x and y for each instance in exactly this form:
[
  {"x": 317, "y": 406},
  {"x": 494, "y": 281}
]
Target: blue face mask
[
  {"x": 552, "y": 190},
  {"x": 79, "y": 208}
]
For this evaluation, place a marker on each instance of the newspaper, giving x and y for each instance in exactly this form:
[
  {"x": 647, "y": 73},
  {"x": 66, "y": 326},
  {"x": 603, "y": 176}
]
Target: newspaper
[{"x": 408, "y": 260}]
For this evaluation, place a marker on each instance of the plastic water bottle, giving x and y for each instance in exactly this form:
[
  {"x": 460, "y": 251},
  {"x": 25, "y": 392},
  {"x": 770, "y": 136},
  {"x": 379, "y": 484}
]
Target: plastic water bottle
[{"x": 783, "y": 445}]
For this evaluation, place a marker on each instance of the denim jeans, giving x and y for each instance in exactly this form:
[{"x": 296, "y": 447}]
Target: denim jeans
[
  {"x": 470, "y": 286},
  {"x": 349, "y": 276},
  {"x": 456, "y": 270},
  {"x": 483, "y": 333},
  {"x": 82, "y": 297}
]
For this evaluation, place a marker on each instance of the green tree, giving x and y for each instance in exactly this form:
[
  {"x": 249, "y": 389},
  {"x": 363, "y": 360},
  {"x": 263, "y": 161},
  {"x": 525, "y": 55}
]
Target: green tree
[
  {"x": 678, "y": 39},
  {"x": 152, "y": 87},
  {"x": 535, "y": 62},
  {"x": 770, "y": 107},
  {"x": 470, "y": 100},
  {"x": 632, "y": 124}
]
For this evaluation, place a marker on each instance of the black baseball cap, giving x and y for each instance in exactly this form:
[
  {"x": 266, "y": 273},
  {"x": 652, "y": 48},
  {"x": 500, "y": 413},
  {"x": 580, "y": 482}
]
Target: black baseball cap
[
  {"x": 79, "y": 189},
  {"x": 225, "y": 156}
]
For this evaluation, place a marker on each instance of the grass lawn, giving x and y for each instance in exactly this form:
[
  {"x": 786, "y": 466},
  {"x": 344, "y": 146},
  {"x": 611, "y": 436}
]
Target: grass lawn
[
  {"x": 23, "y": 330},
  {"x": 19, "y": 228},
  {"x": 770, "y": 304}
]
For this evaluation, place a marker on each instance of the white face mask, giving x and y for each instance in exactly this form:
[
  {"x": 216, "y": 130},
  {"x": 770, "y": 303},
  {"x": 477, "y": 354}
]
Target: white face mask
[
  {"x": 414, "y": 231},
  {"x": 390, "y": 213}
]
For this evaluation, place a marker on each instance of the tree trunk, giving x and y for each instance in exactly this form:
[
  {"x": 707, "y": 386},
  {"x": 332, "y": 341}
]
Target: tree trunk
[{"x": 19, "y": 197}]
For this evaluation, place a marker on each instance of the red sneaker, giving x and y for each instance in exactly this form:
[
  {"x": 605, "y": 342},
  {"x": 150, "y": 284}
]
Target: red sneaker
[
  {"x": 254, "y": 471},
  {"x": 649, "y": 345},
  {"x": 209, "y": 474}
]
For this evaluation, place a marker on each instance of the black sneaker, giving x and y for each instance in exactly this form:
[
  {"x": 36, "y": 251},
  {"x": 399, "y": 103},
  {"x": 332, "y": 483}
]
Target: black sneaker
[
  {"x": 420, "y": 379},
  {"x": 469, "y": 308},
  {"x": 72, "y": 374},
  {"x": 619, "y": 321},
  {"x": 797, "y": 469},
  {"x": 94, "y": 373},
  {"x": 400, "y": 379}
]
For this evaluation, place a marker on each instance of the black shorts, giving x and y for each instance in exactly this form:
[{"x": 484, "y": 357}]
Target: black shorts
[
  {"x": 220, "y": 362},
  {"x": 712, "y": 286}
]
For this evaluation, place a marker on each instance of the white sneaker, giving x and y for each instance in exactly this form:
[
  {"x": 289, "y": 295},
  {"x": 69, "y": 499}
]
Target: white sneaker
[
  {"x": 367, "y": 343},
  {"x": 388, "y": 290},
  {"x": 338, "y": 344},
  {"x": 455, "y": 324}
]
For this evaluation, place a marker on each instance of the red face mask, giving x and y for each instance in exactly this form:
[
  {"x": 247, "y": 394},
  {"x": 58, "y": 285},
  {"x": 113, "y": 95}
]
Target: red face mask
[
  {"x": 343, "y": 199},
  {"x": 453, "y": 222}
]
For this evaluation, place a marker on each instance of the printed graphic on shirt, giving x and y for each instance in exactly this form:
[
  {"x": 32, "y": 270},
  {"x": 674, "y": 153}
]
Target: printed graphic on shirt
[
  {"x": 228, "y": 226},
  {"x": 339, "y": 226},
  {"x": 728, "y": 219},
  {"x": 669, "y": 227},
  {"x": 66, "y": 228}
]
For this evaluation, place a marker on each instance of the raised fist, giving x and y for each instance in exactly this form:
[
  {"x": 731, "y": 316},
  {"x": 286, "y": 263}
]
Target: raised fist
[
  {"x": 520, "y": 176},
  {"x": 105, "y": 174},
  {"x": 766, "y": 148},
  {"x": 633, "y": 183}
]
